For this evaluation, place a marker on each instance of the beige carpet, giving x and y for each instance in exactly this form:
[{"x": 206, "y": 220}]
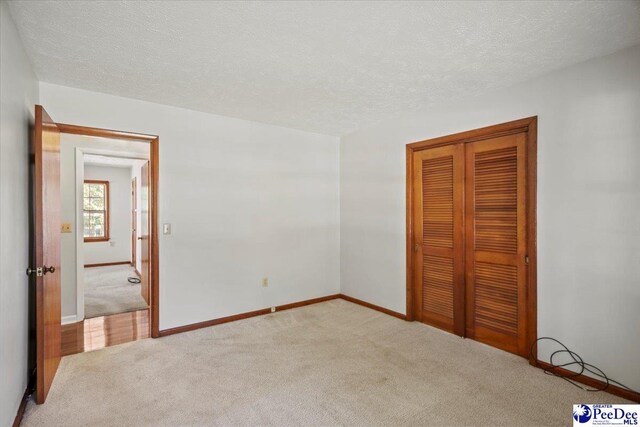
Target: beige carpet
[
  {"x": 333, "y": 363},
  {"x": 107, "y": 291}
]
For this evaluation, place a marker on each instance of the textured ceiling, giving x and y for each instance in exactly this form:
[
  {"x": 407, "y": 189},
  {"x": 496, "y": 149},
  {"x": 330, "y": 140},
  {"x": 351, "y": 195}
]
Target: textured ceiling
[{"x": 327, "y": 67}]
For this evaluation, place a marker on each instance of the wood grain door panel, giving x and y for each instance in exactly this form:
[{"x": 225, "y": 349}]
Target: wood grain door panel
[
  {"x": 46, "y": 151},
  {"x": 438, "y": 248},
  {"x": 496, "y": 242}
]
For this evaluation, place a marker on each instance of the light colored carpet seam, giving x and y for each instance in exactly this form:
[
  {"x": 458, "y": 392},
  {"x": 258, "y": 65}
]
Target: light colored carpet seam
[{"x": 333, "y": 363}]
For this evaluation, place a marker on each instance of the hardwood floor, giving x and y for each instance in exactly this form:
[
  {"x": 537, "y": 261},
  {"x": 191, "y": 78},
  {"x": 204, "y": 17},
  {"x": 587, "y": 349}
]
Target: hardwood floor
[{"x": 104, "y": 331}]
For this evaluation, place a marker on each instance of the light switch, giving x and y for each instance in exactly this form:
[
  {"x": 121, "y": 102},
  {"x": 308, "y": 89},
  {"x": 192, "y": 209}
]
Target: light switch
[
  {"x": 166, "y": 228},
  {"x": 66, "y": 228}
]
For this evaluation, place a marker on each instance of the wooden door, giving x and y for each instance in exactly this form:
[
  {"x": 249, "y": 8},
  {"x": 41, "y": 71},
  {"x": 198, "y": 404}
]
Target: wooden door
[
  {"x": 134, "y": 222},
  {"x": 438, "y": 185},
  {"x": 144, "y": 232},
  {"x": 480, "y": 270},
  {"x": 496, "y": 304},
  {"x": 46, "y": 151}
]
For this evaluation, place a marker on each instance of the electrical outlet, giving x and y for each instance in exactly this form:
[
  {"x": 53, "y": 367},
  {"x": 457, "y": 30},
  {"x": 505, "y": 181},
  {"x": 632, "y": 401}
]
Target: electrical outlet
[
  {"x": 273, "y": 309},
  {"x": 265, "y": 281}
]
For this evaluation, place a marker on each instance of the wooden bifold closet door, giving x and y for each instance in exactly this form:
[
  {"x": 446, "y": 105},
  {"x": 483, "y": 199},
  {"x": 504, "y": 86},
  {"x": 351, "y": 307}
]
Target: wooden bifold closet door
[
  {"x": 495, "y": 243},
  {"x": 468, "y": 264},
  {"x": 439, "y": 247}
]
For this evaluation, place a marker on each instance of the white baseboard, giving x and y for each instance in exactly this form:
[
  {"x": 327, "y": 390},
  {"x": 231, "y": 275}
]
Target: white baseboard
[{"x": 69, "y": 319}]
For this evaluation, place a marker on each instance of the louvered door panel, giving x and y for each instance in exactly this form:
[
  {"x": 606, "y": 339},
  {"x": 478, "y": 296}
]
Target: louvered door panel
[
  {"x": 437, "y": 204},
  {"x": 438, "y": 218},
  {"x": 495, "y": 242},
  {"x": 496, "y": 297},
  {"x": 496, "y": 200},
  {"x": 437, "y": 285}
]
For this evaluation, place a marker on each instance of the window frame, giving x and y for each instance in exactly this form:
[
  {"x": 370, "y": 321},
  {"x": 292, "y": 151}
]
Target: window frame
[{"x": 106, "y": 237}]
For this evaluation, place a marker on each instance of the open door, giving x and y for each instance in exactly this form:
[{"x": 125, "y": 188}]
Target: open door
[
  {"x": 144, "y": 232},
  {"x": 134, "y": 222},
  {"x": 46, "y": 155}
]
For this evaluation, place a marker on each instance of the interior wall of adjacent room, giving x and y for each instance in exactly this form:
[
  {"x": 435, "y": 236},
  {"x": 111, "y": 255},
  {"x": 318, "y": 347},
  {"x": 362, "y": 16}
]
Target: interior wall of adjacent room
[
  {"x": 72, "y": 257},
  {"x": 588, "y": 203},
  {"x": 118, "y": 248},
  {"x": 19, "y": 94},
  {"x": 246, "y": 201}
]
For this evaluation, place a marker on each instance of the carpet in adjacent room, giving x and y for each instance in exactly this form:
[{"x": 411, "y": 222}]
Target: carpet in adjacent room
[{"x": 107, "y": 291}]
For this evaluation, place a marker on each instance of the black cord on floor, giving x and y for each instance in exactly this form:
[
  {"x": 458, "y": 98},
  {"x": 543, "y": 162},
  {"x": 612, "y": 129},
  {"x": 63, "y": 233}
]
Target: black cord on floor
[
  {"x": 133, "y": 280},
  {"x": 576, "y": 360}
]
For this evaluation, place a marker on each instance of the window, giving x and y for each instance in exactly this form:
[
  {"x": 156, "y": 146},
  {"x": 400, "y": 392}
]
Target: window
[{"x": 95, "y": 205}]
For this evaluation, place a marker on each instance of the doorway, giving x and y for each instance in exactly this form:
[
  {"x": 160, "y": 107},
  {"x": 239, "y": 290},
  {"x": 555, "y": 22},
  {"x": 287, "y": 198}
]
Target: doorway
[
  {"x": 147, "y": 229},
  {"x": 471, "y": 234},
  {"x": 47, "y": 230},
  {"x": 107, "y": 281}
]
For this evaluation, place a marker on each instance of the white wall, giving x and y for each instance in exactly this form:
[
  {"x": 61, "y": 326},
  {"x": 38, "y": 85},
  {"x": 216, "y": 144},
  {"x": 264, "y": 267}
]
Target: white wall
[
  {"x": 72, "y": 257},
  {"x": 118, "y": 248},
  {"x": 18, "y": 95},
  {"x": 588, "y": 203},
  {"x": 245, "y": 200}
]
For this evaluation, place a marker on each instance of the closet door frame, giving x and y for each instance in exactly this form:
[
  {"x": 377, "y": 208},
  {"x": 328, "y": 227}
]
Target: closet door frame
[{"x": 529, "y": 127}]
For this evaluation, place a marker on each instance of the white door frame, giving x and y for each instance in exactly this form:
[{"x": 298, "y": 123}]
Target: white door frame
[{"x": 79, "y": 190}]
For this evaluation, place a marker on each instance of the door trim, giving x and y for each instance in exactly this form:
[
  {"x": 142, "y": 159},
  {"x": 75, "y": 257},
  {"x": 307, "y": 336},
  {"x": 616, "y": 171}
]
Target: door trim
[
  {"x": 154, "y": 162},
  {"x": 529, "y": 126}
]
